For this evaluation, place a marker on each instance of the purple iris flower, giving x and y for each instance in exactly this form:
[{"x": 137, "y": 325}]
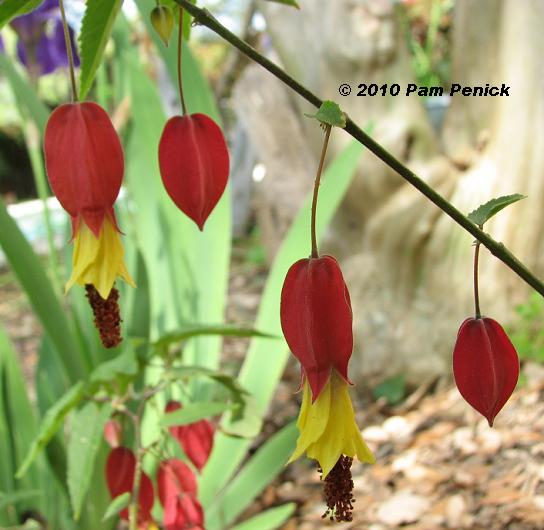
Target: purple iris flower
[{"x": 41, "y": 46}]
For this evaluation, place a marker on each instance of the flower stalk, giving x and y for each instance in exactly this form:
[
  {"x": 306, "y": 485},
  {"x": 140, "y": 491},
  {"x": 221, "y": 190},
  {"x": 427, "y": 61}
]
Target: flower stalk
[{"x": 69, "y": 51}]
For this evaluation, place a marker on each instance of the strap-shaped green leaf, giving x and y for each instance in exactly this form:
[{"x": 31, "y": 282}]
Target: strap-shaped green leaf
[
  {"x": 9, "y": 9},
  {"x": 95, "y": 32},
  {"x": 116, "y": 505},
  {"x": 194, "y": 412},
  {"x": 486, "y": 211},
  {"x": 269, "y": 519},
  {"x": 51, "y": 423}
]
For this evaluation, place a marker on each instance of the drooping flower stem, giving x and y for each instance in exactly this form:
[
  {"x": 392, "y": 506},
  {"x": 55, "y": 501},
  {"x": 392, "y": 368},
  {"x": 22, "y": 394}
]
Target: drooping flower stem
[
  {"x": 180, "y": 48},
  {"x": 69, "y": 51},
  {"x": 317, "y": 182},
  {"x": 476, "y": 290}
]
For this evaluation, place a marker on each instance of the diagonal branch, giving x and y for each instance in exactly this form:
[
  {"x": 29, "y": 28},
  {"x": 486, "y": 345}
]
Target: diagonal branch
[{"x": 205, "y": 18}]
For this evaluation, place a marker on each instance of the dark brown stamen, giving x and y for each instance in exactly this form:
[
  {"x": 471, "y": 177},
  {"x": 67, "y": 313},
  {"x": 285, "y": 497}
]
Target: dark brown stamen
[
  {"x": 107, "y": 318},
  {"x": 338, "y": 491}
]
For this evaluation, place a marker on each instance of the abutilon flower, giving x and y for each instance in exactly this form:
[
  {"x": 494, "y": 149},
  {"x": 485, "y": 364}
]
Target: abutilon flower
[
  {"x": 194, "y": 164},
  {"x": 85, "y": 166},
  {"x": 485, "y": 365},
  {"x": 120, "y": 471},
  {"x": 177, "y": 494},
  {"x": 196, "y": 439},
  {"x": 316, "y": 320}
]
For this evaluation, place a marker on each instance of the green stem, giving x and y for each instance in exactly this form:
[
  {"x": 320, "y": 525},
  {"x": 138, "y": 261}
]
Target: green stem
[
  {"x": 317, "y": 182},
  {"x": 476, "y": 290},
  {"x": 69, "y": 52},
  {"x": 203, "y": 17},
  {"x": 33, "y": 145},
  {"x": 180, "y": 48},
  {"x": 133, "y": 506}
]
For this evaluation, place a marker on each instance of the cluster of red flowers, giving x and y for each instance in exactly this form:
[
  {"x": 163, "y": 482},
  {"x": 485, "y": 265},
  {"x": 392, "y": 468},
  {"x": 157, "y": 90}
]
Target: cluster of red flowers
[{"x": 175, "y": 479}]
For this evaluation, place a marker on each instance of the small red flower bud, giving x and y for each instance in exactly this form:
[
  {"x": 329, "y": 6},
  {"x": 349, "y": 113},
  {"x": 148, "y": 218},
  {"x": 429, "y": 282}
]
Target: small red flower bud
[
  {"x": 316, "y": 319},
  {"x": 84, "y": 161},
  {"x": 196, "y": 439},
  {"x": 194, "y": 164},
  {"x": 113, "y": 433},
  {"x": 120, "y": 470},
  {"x": 485, "y": 365},
  {"x": 177, "y": 493}
]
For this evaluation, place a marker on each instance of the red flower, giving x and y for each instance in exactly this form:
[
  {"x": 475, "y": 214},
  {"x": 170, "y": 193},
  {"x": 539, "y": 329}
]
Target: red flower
[
  {"x": 113, "y": 433},
  {"x": 316, "y": 319},
  {"x": 177, "y": 493},
  {"x": 196, "y": 439},
  {"x": 194, "y": 164},
  {"x": 485, "y": 365},
  {"x": 120, "y": 470},
  {"x": 85, "y": 166}
]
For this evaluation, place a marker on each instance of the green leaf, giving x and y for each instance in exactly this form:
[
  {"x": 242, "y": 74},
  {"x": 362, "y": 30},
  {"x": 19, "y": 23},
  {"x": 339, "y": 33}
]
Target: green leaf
[
  {"x": 123, "y": 366},
  {"x": 286, "y": 2},
  {"x": 51, "y": 423},
  {"x": 13, "y": 498},
  {"x": 95, "y": 32},
  {"x": 46, "y": 306},
  {"x": 486, "y": 211},
  {"x": 86, "y": 435},
  {"x": 116, "y": 505},
  {"x": 269, "y": 519},
  {"x": 194, "y": 412},
  {"x": 260, "y": 470},
  {"x": 330, "y": 114},
  {"x": 392, "y": 389},
  {"x": 9, "y": 9},
  {"x": 195, "y": 330},
  {"x": 265, "y": 361},
  {"x": 244, "y": 421}
]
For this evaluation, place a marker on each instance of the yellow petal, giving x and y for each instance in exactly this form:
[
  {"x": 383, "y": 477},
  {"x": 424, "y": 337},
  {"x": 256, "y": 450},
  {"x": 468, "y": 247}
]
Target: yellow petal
[
  {"x": 327, "y": 427},
  {"x": 98, "y": 261}
]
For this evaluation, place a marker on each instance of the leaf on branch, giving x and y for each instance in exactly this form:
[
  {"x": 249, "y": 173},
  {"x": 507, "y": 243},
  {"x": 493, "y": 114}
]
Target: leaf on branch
[
  {"x": 195, "y": 330},
  {"x": 123, "y": 368},
  {"x": 95, "y": 32},
  {"x": 194, "y": 412},
  {"x": 330, "y": 114},
  {"x": 486, "y": 211},
  {"x": 85, "y": 438},
  {"x": 116, "y": 505},
  {"x": 51, "y": 423},
  {"x": 286, "y": 2},
  {"x": 9, "y": 9}
]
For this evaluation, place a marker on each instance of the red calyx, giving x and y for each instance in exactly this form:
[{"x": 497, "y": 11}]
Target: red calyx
[
  {"x": 194, "y": 164},
  {"x": 84, "y": 161},
  {"x": 485, "y": 365},
  {"x": 196, "y": 439},
  {"x": 316, "y": 319},
  {"x": 120, "y": 470},
  {"x": 177, "y": 493}
]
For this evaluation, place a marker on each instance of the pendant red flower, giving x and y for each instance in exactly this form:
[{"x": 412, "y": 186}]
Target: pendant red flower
[
  {"x": 196, "y": 439},
  {"x": 194, "y": 164},
  {"x": 120, "y": 470},
  {"x": 316, "y": 319},
  {"x": 485, "y": 365}
]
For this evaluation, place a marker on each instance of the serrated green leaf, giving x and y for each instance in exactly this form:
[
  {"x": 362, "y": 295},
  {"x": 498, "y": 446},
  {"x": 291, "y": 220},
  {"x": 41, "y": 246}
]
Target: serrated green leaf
[
  {"x": 86, "y": 435},
  {"x": 9, "y": 9},
  {"x": 486, "y": 211},
  {"x": 331, "y": 114},
  {"x": 116, "y": 505},
  {"x": 194, "y": 412},
  {"x": 95, "y": 32},
  {"x": 51, "y": 423},
  {"x": 269, "y": 519},
  {"x": 195, "y": 330},
  {"x": 286, "y": 2}
]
